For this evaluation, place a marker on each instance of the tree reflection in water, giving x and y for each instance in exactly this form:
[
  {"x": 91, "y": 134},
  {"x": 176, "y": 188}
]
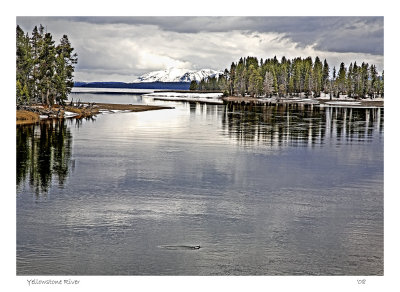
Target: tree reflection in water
[
  {"x": 300, "y": 124},
  {"x": 43, "y": 153}
]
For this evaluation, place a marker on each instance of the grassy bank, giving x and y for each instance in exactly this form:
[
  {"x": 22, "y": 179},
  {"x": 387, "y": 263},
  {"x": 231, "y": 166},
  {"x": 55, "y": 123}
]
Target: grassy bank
[
  {"x": 26, "y": 117},
  {"x": 32, "y": 114}
]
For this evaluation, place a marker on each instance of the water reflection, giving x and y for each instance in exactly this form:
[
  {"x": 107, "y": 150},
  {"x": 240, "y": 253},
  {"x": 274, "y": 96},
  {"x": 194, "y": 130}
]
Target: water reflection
[
  {"x": 79, "y": 122},
  {"x": 124, "y": 98},
  {"x": 177, "y": 177},
  {"x": 301, "y": 124},
  {"x": 43, "y": 153}
]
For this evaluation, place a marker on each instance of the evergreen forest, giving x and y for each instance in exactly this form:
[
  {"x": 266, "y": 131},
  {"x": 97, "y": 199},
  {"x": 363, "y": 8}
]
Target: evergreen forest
[{"x": 295, "y": 77}]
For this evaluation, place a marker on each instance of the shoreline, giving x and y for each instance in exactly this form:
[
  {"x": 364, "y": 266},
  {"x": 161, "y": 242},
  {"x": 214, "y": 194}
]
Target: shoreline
[
  {"x": 34, "y": 114},
  {"x": 317, "y": 101},
  {"x": 216, "y": 98}
]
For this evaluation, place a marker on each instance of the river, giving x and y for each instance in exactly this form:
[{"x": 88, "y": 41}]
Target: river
[{"x": 202, "y": 190}]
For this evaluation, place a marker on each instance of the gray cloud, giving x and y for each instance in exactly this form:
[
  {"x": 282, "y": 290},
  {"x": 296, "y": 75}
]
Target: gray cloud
[
  {"x": 120, "y": 49},
  {"x": 336, "y": 34}
]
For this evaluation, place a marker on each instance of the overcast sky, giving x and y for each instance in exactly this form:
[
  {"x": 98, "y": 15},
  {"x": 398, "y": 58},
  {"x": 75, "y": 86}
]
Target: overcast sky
[{"x": 122, "y": 48}]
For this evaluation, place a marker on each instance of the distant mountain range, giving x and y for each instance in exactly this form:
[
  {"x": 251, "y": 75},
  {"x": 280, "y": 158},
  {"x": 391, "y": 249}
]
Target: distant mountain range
[
  {"x": 173, "y": 78},
  {"x": 140, "y": 85},
  {"x": 177, "y": 75}
]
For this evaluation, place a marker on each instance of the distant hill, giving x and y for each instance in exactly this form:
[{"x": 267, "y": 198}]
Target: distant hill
[{"x": 141, "y": 85}]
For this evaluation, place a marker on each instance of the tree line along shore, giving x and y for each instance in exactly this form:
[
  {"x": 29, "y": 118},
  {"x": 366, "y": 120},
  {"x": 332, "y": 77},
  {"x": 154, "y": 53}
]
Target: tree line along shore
[
  {"x": 44, "y": 69},
  {"x": 297, "y": 77}
]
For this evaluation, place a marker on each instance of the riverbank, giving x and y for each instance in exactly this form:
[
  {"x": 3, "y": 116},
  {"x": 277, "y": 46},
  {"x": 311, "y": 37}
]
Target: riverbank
[
  {"x": 34, "y": 113},
  {"x": 26, "y": 117},
  {"x": 217, "y": 98},
  {"x": 378, "y": 102}
]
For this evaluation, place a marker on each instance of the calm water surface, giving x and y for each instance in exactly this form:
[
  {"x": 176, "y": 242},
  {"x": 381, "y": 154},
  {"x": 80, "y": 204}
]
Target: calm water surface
[{"x": 286, "y": 190}]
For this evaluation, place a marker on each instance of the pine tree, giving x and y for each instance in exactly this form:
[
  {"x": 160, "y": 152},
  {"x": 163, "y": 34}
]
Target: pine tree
[
  {"x": 65, "y": 66},
  {"x": 193, "y": 85},
  {"x": 317, "y": 77},
  {"x": 47, "y": 63},
  {"x": 364, "y": 79},
  {"x": 36, "y": 45},
  {"x": 355, "y": 80},
  {"x": 325, "y": 76},
  {"x": 291, "y": 88},
  {"x": 240, "y": 80},
  {"x": 349, "y": 81},
  {"x": 24, "y": 66},
  {"x": 307, "y": 76},
  {"x": 255, "y": 81},
  {"x": 334, "y": 84},
  {"x": 223, "y": 82},
  {"x": 232, "y": 75},
  {"x": 282, "y": 76},
  {"x": 342, "y": 79},
  {"x": 268, "y": 84},
  {"x": 374, "y": 82},
  {"x": 202, "y": 84},
  {"x": 297, "y": 78}
]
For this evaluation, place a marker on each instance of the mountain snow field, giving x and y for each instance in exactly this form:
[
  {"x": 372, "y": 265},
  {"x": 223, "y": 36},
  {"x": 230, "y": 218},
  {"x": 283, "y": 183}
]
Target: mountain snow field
[{"x": 177, "y": 75}]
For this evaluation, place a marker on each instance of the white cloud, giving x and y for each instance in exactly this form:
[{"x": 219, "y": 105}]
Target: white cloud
[{"x": 153, "y": 61}]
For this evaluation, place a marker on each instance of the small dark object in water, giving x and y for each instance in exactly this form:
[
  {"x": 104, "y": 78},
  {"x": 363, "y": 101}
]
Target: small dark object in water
[{"x": 176, "y": 247}]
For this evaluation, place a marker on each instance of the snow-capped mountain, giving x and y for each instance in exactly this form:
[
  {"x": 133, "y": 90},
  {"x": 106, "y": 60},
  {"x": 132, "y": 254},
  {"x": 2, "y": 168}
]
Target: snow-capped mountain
[{"x": 177, "y": 75}]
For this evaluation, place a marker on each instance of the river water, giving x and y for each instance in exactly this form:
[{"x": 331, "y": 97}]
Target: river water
[{"x": 279, "y": 190}]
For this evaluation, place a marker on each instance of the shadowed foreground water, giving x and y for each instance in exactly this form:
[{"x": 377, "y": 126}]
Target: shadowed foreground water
[{"x": 286, "y": 190}]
